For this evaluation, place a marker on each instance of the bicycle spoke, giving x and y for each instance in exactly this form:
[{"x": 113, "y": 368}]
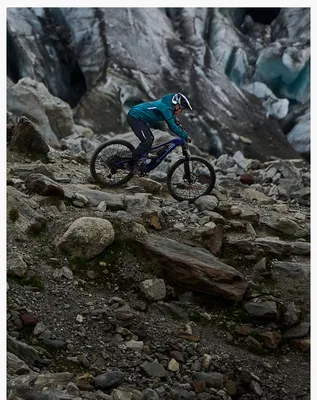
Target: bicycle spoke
[{"x": 106, "y": 161}]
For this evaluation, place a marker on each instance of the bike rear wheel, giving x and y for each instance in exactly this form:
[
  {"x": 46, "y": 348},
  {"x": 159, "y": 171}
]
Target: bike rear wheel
[
  {"x": 202, "y": 178},
  {"x": 108, "y": 164}
]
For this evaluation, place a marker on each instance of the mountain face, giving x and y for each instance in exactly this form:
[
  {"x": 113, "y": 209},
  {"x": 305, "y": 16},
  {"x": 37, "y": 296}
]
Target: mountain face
[{"x": 246, "y": 72}]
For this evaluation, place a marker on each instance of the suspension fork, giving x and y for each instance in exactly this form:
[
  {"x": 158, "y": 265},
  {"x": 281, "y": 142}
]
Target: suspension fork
[{"x": 186, "y": 154}]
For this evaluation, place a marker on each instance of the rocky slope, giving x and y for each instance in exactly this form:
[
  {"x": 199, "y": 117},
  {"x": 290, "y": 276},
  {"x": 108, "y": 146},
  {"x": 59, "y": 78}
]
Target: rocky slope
[
  {"x": 247, "y": 78},
  {"x": 128, "y": 294}
]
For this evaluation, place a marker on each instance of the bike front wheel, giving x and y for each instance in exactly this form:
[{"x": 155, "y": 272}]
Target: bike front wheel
[
  {"x": 190, "y": 179},
  {"x": 108, "y": 164}
]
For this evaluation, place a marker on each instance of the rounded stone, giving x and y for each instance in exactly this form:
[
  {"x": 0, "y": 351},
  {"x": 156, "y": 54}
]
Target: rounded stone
[{"x": 87, "y": 237}]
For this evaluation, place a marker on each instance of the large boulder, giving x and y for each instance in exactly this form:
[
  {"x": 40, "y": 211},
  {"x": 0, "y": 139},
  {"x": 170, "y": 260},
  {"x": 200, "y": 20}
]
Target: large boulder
[
  {"x": 195, "y": 268},
  {"x": 86, "y": 237},
  {"x": 27, "y": 139},
  {"x": 51, "y": 116}
]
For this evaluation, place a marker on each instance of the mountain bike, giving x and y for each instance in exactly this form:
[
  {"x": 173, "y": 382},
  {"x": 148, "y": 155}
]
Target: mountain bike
[{"x": 188, "y": 178}]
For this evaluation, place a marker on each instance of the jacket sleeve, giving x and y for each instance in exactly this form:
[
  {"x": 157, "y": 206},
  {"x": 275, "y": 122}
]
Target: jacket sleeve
[{"x": 169, "y": 118}]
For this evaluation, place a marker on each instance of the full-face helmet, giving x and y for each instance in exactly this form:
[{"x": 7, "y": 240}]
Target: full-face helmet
[{"x": 182, "y": 100}]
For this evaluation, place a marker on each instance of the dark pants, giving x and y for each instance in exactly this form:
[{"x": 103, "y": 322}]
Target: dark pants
[{"x": 143, "y": 132}]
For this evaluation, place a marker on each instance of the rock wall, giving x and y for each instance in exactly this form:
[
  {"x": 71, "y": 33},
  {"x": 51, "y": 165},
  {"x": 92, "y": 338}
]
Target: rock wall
[{"x": 101, "y": 61}]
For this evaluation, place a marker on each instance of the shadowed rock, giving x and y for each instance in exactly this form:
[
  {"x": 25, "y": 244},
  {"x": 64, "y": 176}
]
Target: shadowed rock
[
  {"x": 26, "y": 138},
  {"x": 196, "y": 269},
  {"x": 26, "y": 353},
  {"x": 44, "y": 186}
]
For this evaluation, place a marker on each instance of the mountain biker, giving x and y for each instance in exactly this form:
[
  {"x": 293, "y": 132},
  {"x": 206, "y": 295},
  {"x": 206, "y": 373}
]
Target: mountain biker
[{"x": 142, "y": 114}]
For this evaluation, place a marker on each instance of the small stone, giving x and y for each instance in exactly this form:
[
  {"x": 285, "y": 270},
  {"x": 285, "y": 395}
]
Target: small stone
[
  {"x": 291, "y": 315},
  {"x": 297, "y": 331},
  {"x": 153, "y": 289},
  {"x": 231, "y": 388},
  {"x": 150, "y": 394},
  {"x": 124, "y": 313},
  {"x": 139, "y": 229},
  {"x": 57, "y": 344},
  {"x": 253, "y": 343},
  {"x": 28, "y": 319},
  {"x": 301, "y": 344},
  {"x": 134, "y": 345},
  {"x": 17, "y": 267},
  {"x": 243, "y": 330},
  {"x": 198, "y": 386},
  {"x": 153, "y": 369},
  {"x": 247, "y": 179},
  {"x": 206, "y": 361},
  {"x": 213, "y": 379},
  {"x": 72, "y": 389},
  {"x": 229, "y": 337},
  {"x": 80, "y": 318},
  {"x": 271, "y": 340},
  {"x": 173, "y": 365},
  {"x": 177, "y": 355},
  {"x": 102, "y": 206},
  {"x": 67, "y": 273},
  {"x": 256, "y": 388},
  {"x": 109, "y": 380},
  {"x": 83, "y": 360},
  {"x": 261, "y": 265},
  {"x": 234, "y": 210},
  {"x": 39, "y": 328},
  {"x": 179, "y": 225},
  {"x": 264, "y": 310},
  {"x": 250, "y": 230},
  {"x": 84, "y": 380},
  {"x": 118, "y": 394}
]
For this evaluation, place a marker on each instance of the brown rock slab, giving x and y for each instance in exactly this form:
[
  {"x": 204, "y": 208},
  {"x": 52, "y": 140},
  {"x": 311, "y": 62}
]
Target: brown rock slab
[
  {"x": 44, "y": 186},
  {"x": 195, "y": 269},
  {"x": 270, "y": 340}
]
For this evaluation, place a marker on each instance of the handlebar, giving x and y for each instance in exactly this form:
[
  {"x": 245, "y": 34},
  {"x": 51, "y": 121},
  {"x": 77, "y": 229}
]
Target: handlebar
[{"x": 178, "y": 123}]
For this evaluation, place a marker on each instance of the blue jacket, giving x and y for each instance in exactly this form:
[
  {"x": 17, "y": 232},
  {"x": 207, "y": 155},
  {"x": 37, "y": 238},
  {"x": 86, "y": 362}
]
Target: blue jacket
[{"x": 159, "y": 110}]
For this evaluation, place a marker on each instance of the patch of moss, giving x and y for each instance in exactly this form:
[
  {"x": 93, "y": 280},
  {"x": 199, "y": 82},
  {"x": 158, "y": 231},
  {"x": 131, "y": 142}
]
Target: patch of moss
[
  {"x": 13, "y": 214},
  {"x": 195, "y": 316},
  {"x": 146, "y": 264},
  {"x": 108, "y": 259},
  {"x": 151, "y": 268},
  {"x": 33, "y": 281},
  {"x": 76, "y": 263},
  {"x": 238, "y": 316},
  {"x": 44, "y": 158},
  {"x": 27, "y": 333},
  {"x": 64, "y": 365},
  {"x": 111, "y": 254}
]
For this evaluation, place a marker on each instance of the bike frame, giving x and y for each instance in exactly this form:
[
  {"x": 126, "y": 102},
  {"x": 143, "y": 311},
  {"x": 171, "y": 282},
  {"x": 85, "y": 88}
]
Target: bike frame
[{"x": 156, "y": 160}]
